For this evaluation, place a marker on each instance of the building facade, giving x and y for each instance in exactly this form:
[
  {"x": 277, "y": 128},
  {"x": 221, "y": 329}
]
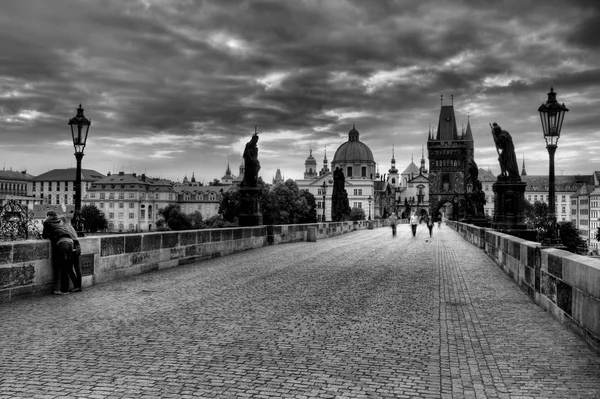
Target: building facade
[
  {"x": 57, "y": 187},
  {"x": 17, "y": 186}
]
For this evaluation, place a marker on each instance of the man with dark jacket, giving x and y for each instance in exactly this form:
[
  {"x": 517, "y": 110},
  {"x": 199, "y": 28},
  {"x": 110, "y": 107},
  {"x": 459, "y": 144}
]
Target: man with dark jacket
[{"x": 62, "y": 248}]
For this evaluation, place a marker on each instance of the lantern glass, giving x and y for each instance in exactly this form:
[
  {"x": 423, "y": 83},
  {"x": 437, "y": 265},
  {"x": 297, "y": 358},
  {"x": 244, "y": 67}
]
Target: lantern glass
[
  {"x": 80, "y": 127},
  {"x": 552, "y": 115}
]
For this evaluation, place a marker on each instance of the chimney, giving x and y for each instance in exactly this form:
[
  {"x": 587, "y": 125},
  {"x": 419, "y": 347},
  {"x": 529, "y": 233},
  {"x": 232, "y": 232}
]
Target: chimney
[
  {"x": 108, "y": 174},
  {"x": 121, "y": 173},
  {"x": 143, "y": 177},
  {"x": 134, "y": 174}
]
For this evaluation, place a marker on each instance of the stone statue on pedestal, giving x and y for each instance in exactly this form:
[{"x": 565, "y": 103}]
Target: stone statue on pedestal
[
  {"x": 340, "y": 207},
  {"x": 509, "y": 168}
]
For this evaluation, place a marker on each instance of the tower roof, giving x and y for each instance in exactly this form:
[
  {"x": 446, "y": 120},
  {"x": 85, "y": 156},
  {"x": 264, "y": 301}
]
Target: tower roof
[
  {"x": 411, "y": 169},
  {"x": 468, "y": 133},
  {"x": 310, "y": 160},
  {"x": 447, "y": 124}
]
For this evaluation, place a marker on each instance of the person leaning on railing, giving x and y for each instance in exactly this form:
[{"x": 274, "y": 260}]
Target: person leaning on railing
[
  {"x": 62, "y": 248},
  {"x": 74, "y": 269}
]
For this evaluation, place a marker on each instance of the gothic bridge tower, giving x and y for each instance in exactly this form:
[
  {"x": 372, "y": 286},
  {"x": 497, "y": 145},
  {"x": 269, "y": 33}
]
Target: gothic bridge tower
[{"x": 449, "y": 155}]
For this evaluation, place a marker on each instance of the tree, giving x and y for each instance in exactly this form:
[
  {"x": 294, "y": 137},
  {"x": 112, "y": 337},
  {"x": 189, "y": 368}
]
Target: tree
[
  {"x": 285, "y": 203},
  {"x": 196, "y": 220},
  {"x": 598, "y": 234},
  {"x": 357, "y": 214},
  {"x": 571, "y": 238},
  {"x": 536, "y": 218},
  {"x": 217, "y": 222},
  {"x": 229, "y": 208},
  {"x": 215, "y": 182},
  {"x": 174, "y": 218},
  {"x": 94, "y": 220}
]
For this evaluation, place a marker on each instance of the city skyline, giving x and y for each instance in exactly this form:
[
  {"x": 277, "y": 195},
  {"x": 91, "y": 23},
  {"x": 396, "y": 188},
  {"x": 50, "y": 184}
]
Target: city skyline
[{"x": 177, "y": 88}]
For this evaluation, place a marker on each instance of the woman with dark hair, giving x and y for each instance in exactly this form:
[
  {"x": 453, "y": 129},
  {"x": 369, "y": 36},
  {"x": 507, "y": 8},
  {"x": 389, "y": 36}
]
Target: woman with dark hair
[{"x": 62, "y": 248}]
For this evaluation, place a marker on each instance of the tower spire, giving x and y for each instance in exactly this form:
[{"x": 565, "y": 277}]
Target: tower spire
[{"x": 523, "y": 171}]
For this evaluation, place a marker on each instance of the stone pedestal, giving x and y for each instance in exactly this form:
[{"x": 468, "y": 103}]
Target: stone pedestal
[
  {"x": 250, "y": 207},
  {"x": 509, "y": 209}
]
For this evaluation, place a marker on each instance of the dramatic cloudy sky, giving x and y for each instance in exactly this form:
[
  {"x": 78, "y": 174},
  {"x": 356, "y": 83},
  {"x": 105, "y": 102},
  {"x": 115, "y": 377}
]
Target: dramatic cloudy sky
[{"x": 176, "y": 87}]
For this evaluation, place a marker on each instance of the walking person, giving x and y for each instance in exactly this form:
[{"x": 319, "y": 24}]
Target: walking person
[
  {"x": 74, "y": 270},
  {"x": 430, "y": 224},
  {"x": 393, "y": 222},
  {"x": 62, "y": 248},
  {"x": 414, "y": 221}
]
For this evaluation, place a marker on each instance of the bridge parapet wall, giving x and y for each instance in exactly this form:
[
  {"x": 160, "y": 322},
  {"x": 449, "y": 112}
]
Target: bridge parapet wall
[
  {"x": 565, "y": 284},
  {"x": 26, "y": 268}
]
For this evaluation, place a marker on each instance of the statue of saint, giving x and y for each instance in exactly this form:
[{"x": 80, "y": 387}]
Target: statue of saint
[
  {"x": 251, "y": 163},
  {"x": 506, "y": 153}
]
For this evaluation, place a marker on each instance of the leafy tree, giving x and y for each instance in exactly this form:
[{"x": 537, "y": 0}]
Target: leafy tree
[
  {"x": 217, "y": 222},
  {"x": 598, "y": 234},
  {"x": 536, "y": 218},
  {"x": 571, "y": 238},
  {"x": 215, "y": 182},
  {"x": 196, "y": 220},
  {"x": 94, "y": 220},
  {"x": 174, "y": 218},
  {"x": 357, "y": 214},
  {"x": 229, "y": 208},
  {"x": 285, "y": 203}
]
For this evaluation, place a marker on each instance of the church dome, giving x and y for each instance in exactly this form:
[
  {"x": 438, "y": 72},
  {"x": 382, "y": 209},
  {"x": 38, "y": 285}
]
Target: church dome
[
  {"x": 310, "y": 160},
  {"x": 353, "y": 150}
]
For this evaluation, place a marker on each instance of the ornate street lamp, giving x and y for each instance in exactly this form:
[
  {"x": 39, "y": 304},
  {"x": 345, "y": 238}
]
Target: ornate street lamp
[
  {"x": 369, "y": 200},
  {"x": 469, "y": 191},
  {"x": 455, "y": 206},
  {"x": 80, "y": 126},
  {"x": 324, "y": 188},
  {"x": 552, "y": 115}
]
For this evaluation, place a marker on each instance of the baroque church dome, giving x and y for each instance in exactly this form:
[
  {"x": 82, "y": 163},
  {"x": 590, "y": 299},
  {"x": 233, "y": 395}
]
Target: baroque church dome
[{"x": 353, "y": 150}]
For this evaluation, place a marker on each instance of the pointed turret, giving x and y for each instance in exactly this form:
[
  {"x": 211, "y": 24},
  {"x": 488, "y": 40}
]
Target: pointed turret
[
  {"x": 325, "y": 168},
  {"x": 393, "y": 168},
  {"x": 278, "y": 178},
  {"x": 310, "y": 167},
  {"x": 422, "y": 169},
  {"x": 523, "y": 171}
]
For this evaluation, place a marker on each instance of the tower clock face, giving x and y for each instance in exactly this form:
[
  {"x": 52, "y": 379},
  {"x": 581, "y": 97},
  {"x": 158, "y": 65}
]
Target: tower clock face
[
  {"x": 448, "y": 119},
  {"x": 330, "y": 181}
]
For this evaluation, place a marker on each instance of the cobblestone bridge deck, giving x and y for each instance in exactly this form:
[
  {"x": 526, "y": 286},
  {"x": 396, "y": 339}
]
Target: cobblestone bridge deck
[{"x": 358, "y": 315}]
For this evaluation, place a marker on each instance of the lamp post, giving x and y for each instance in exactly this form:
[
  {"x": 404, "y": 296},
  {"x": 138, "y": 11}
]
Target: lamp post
[
  {"x": 324, "y": 188},
  {"x": 369, "y": 200},
  {"x": 80, "y": 126},
  {"x": 455, "y": 206},
  {"x": 552, "y": 115},
  {"x": 468, "y": 197}
]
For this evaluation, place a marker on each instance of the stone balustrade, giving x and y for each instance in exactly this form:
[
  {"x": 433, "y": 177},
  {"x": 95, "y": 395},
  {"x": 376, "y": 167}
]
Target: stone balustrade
[
  {"x": 565, "y": 284},
  {"x": 26, "y": 268}
]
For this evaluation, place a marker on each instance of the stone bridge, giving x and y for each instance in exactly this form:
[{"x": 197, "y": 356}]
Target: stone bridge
[{"x": 358, "y": 313}]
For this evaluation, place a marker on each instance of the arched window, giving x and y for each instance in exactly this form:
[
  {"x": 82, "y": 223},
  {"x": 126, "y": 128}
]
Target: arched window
[
  {"x": 393, "y": 180},
  {"x": 212, "y": 197}
]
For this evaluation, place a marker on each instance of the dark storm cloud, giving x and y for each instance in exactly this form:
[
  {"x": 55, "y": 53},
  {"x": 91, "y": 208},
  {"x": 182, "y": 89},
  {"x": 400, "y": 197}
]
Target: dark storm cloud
[{"x": 186, "y": 82}]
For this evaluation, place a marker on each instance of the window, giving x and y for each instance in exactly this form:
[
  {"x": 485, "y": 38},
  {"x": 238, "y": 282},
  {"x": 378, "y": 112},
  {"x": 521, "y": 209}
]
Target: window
[
  {"x": 102, "y": 196},
  {"x": 564, "y": 209},
  {"x": 131, "y": 195},
  {"x": 445, "y": 182},
  {"x": 131, "y": 216},
  {"x": 319, "y": 204},
  {"x": 66, "y": 198},
  {"x": 170, "y": 196},
  {"x": 142, "y": 196},
  {"x": 57, "y": 198},
  {"x": 349, "y": 174},
  {"x": 120, "y": 215},
  {"x": 121, "y": 196},
  {"x": 111, "y": 215},
  {"x": 535, "y": 197},
  {"x": 111, "y": 204},
  {"x": 121, "y": 205},
  {"x": 111, "y": 226},
  {"x": 564, "y": 198},
  {"x": 143, "y": 214},
  {"x": 102, "y": 205},
  {"x": 212, "y": 197},
  {"x": 41, "y": 186},
  {"x": 363, "y": 171},
  {"x": 111, "y": 196},
  {"x": 92, "y": 195},
  {"x": 131, "y": 205}
]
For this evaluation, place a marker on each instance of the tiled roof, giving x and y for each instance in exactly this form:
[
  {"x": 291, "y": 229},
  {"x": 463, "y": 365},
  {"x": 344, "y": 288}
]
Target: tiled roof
[
  {"x": 562, "y": 182},
  {"x": 412, "y": 168},
  {"x": 69, "y": 175},
  {"x": 11, "y": 175}
]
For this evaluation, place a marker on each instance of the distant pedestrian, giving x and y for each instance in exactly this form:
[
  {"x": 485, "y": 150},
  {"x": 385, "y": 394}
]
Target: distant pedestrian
[
  {"x": 439, "y": 220},
  {"x": 430, "y": 224},
  {"x": 74, "y": 270},
  {"x": 393, "y": 222},
  {"x": 414, "y": 221},
  {"x": 62, "y": 248}
]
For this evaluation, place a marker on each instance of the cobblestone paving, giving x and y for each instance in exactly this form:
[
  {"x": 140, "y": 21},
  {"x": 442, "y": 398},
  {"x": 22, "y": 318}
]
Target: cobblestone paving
[{"x": 354, "y": 316}]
